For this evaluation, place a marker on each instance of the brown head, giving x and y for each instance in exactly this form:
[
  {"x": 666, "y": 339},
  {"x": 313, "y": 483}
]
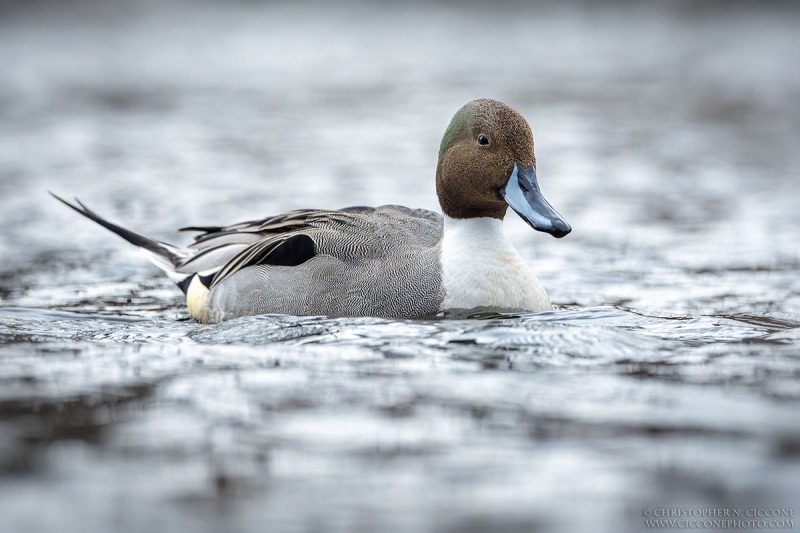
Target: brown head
[{"x": 486, "y": 164}]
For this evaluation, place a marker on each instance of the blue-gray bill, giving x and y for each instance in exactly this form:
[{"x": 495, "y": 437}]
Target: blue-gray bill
[{"x": 523, "y": 195}]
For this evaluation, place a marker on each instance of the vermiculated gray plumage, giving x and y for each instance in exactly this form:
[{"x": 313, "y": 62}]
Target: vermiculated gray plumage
[{"x": 380, "y": 261}]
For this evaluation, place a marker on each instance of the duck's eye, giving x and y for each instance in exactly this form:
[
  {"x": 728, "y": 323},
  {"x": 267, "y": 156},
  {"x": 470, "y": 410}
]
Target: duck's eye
[{"x": 483, "y": 140}]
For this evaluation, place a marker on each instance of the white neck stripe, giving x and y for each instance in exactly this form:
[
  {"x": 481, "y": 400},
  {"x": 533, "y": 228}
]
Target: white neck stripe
[{"x": 481, "y": 268}]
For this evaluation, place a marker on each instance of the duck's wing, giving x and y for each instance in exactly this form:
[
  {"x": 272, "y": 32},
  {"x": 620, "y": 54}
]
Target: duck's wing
[
  {"x": 218, "y": 245},
  {"x": 291, "y": 239}
]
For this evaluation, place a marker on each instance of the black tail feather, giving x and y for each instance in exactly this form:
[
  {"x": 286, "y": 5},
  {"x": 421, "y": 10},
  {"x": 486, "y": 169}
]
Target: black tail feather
[{"x": 160, "y": 248}]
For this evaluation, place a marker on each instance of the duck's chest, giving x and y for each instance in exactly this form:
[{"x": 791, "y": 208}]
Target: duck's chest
[{"x": 480, "y": 268}]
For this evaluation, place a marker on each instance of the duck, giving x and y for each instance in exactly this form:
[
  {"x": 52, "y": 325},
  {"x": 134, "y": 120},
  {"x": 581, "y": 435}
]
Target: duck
[{"x": 389, "y": 261}]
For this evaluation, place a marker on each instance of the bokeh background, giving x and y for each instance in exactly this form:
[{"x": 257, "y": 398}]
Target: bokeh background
[{"x": 667, "y": 134}]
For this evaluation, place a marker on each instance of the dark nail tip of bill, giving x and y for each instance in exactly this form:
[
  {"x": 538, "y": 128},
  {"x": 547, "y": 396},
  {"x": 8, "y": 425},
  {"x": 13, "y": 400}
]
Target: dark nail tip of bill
[{"x": 560, "y": 230}]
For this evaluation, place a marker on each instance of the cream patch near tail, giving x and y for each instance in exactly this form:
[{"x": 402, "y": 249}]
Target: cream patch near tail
[{"x": 197, "y": 300}]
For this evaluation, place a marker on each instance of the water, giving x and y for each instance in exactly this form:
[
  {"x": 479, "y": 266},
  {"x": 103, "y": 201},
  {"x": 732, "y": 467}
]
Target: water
[{"x": 666, "y": 377}]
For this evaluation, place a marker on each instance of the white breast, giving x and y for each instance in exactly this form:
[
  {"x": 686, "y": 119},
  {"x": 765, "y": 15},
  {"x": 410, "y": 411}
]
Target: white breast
[{"x": 480, "y": 268}]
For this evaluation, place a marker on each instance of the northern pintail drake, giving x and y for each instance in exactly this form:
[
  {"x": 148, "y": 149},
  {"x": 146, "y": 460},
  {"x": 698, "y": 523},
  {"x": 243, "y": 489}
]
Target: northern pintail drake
[{"x": 388, "y": 261}]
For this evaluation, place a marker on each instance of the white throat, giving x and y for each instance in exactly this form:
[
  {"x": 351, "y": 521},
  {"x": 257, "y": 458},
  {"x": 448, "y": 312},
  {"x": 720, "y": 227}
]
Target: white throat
[{"x": 481, "y": 268}]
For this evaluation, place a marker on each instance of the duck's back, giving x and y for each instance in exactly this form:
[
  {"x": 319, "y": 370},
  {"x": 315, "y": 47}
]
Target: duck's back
[{"x": 382, "y": 261}]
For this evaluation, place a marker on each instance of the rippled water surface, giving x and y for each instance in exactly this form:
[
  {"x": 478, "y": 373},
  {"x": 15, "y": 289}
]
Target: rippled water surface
[{"x": 667, "y": 376}]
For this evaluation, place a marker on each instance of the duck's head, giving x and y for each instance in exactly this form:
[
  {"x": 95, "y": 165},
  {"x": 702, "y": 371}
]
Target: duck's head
[{"x": 486, "y": 164}]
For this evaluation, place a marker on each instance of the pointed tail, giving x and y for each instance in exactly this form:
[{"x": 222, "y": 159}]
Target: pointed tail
[{"x": 163, "y": 255}]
